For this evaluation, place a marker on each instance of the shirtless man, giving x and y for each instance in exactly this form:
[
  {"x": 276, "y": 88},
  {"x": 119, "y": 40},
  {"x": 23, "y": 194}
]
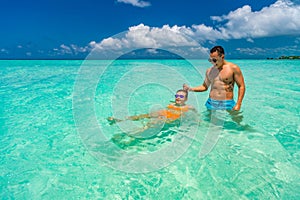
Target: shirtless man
[{"x": 221, "y": 77}]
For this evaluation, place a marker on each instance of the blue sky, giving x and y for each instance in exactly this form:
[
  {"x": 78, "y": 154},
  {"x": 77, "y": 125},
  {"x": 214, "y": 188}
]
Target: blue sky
[{"x": 70, "y": 29}]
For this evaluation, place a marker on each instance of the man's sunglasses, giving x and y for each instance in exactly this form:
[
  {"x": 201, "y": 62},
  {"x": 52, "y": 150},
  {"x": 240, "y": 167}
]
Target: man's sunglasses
[
  {"x": 179, "y": 95},
  {"x": 212, "y": 60}
]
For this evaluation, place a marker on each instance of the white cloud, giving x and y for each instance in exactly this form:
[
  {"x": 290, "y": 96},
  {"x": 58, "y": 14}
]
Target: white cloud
[
  {"x": 166, "y": 37},
  {"x": 141, "y": 36},
  {"x": 77, "y": 49},
  {"x": 203, "y": 33},
  {"x": 145, "y": 36},
  {"x": 280, "y": 18},
  {"x": 279, "y": 51},
  {"x": 65, "y": 49},
  {"x": 251, "y": 51},
  {"x": 250, "y": 40},
  {"x": 4, "y": 51},
  {"x": 152, "y": 51},
  {"x": 71, "y": 49},
  {"x": 136, "y": 3}
]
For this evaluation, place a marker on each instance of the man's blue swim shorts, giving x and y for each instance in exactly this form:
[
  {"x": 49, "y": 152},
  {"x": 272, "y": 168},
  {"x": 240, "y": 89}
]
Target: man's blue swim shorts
[{"x": 212, "y": 104}]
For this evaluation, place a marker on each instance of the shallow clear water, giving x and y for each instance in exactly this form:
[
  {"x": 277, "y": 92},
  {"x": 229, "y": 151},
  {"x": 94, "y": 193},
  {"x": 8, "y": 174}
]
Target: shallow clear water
[{"x": 57, "y": 144}]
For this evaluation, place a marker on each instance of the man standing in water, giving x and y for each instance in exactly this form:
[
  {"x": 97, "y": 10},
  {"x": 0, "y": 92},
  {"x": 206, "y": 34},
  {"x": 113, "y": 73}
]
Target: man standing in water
[{"x": 221, "y": 77}]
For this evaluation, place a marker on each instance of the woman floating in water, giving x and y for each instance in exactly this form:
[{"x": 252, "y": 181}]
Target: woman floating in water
[{"x": 174, "y": 111}]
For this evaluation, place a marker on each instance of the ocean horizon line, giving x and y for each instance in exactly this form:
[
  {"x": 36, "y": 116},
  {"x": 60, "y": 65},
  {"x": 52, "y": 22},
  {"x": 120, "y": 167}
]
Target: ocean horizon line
[{"x": 79, "y": 59}]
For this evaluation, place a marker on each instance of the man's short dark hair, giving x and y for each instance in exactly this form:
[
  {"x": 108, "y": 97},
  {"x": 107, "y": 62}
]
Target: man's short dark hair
[{"x": 218, "y": 49}]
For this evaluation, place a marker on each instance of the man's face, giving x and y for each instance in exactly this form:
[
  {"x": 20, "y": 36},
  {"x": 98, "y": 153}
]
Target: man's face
[{"x": 216, "y": 59}]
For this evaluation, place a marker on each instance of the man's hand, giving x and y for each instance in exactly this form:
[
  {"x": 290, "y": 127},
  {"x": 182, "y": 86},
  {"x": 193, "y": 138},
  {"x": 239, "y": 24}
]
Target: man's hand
[
  {"x": 237, "y": 107},
  {"x": 186, "y": 87}
]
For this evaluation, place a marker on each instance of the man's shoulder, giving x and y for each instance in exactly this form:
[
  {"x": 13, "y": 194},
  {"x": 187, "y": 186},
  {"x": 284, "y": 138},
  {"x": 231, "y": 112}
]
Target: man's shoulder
[{"x": 233, "y": 66}]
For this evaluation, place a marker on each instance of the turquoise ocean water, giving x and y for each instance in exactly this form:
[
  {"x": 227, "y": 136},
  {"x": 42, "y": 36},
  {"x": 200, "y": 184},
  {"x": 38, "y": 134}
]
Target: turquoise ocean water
[{"x": 56, "y": 143}]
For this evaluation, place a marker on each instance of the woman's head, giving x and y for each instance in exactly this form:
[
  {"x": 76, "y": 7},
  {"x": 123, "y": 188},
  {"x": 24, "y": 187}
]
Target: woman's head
[{"x": 181, "y": 97}]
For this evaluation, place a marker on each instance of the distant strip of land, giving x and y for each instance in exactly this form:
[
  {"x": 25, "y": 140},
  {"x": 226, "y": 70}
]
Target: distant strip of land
[{"x": 286, "y": 58}]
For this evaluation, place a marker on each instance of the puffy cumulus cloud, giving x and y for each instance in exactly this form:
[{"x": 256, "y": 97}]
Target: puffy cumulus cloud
[
  {"x": 145, "y": 36},
  {"x": 136, "y": 3},
  {"x": 181, "y": 40},
  {"x": 280, "y": 18},
  {"x": 203, "y": 33},
  {"x": 142, "y": 36}
]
